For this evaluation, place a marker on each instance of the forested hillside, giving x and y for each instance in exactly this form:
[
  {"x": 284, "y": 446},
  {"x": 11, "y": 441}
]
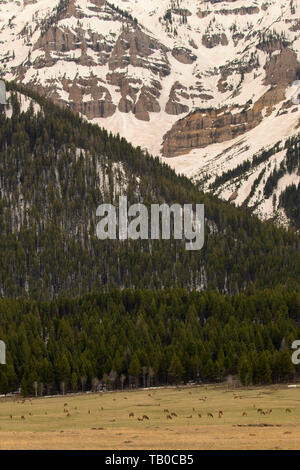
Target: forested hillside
[
  {"x": 137, "y": 338},
  {"x": 55, "y": 169}
]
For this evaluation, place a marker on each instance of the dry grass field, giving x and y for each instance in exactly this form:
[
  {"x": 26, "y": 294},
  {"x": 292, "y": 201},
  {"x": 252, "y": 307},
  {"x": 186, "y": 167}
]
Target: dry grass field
[{"x": 175, "y": 419}]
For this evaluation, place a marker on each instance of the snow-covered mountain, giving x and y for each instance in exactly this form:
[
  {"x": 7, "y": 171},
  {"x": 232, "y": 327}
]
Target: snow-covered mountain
[{"x": 207, "y": 85}]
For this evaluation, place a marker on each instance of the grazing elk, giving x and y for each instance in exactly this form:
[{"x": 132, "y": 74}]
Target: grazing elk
[
  {"x": 173, "y": 414},
  {"x": 288, "y": 410},
  {"x": 145, "y": 417},
  {"x": 131, "y": 415},
  {"x": 244, "y": 413},
  {"x": 169, "y": 417},
  {"x": 199, "y": 414},
  {"x": 210, "y": 415}
]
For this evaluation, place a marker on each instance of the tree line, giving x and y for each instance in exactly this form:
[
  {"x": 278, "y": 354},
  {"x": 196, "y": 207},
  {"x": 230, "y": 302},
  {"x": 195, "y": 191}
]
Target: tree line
[{"x": 130, "y": 338}]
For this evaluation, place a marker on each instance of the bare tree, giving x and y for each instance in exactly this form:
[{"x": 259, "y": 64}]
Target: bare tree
[
  {"x": 35, "y": 385},
  {"x": 95, "y": 384},
  {"x": 112, "y": 377},
  {"x": 62, "y": 386},
  {"x": 151, "y": 375},
  {"x": 83, "y": 380},
  {"x": 122, "y": 380},
  {"x": 144, "y": 372},
  {"x": 105, "y": 379}
]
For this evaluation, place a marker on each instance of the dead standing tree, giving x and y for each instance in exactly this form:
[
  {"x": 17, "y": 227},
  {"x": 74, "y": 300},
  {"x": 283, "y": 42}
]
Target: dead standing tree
[{"x": 83, "y": 380}]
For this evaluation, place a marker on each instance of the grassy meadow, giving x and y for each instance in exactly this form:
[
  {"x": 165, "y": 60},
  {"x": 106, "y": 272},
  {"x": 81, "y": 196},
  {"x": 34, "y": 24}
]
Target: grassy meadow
[{"x": 177, "y": 418}]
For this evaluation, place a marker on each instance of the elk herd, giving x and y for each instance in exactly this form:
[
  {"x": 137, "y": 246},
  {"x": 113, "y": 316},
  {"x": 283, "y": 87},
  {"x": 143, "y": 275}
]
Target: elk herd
[{"x": 168, "y": 413}]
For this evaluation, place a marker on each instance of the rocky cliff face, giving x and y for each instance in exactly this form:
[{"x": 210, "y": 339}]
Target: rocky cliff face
[
  {"x": 187, "y": 80},
  {"x": 209, "y": 126}
]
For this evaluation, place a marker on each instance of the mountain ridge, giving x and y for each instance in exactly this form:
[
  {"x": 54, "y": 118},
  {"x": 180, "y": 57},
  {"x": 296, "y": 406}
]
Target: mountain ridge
[{"x": 204, "y": 85}]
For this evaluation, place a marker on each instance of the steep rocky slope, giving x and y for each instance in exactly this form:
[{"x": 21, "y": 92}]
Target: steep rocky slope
[{"x": 204, "y": 84}]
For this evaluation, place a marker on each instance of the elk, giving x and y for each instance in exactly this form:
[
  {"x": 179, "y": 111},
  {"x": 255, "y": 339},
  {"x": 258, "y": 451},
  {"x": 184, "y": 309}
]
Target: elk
[
  {"x": 68, "y": 415},
  {"x": 140, "y": 419},
  {"x": 173, "y": 414},
  {"x": 244, "y": 413},
  {"x": 169, "y": 417},
  {"x": 287, "y": 410},
  {"x": 220, "y": 414},
  {"x": 210, "y": 415},
  {"x": 22, "y": 417},
  {"x": 131, "y": 415},
  {"x": 145, "y": 417},
  {"x": 65, "y": 404},
  {"x": 89, "y": 412},
  {"x": 199, "y": 414},
  {"x": 189, "y": 417},
  {"x": 10, "y": 416},
  {"x": 166, "y": 411}
]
